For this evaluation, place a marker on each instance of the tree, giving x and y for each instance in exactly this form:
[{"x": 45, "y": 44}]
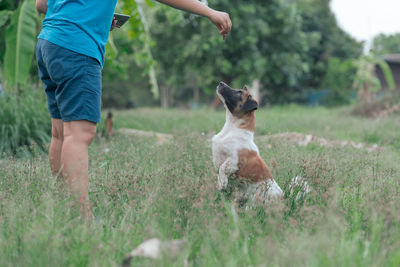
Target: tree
[
  {"x": 386, "y": 44},
  {"x": 333, "y": 41},
  {"x": 266, "y": 43}
]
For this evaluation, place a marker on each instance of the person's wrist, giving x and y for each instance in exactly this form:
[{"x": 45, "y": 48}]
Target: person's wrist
[{"x": 209, "y": 12}]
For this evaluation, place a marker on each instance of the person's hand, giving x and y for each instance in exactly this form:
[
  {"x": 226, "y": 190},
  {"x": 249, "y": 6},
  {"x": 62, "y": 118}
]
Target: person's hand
[
  {"x": 114, "y": 24},
  {"x": 222, "y": 20}
]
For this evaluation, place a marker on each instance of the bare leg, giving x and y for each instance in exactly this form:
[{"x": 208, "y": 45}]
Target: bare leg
[
  {"x": 57, "y": 138},
  {"x": 78, "y": 135}
]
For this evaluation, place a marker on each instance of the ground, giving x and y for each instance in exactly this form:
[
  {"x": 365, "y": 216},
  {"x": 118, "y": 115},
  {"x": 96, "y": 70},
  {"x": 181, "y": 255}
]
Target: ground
[{"x": 140, "y": 189}]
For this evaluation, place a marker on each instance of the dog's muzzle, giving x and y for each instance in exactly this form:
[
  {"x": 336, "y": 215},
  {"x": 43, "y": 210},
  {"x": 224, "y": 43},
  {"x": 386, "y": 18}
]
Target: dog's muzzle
[{"x": 223, "y": 88}]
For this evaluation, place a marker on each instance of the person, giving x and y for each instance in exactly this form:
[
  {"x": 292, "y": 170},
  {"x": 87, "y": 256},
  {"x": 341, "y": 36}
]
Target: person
[{"x": 70, "y": 55}]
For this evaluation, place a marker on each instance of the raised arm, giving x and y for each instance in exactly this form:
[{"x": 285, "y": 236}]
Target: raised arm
[
  {"x": 41, "y": 6},
  {"x": 220, "y": 19}
]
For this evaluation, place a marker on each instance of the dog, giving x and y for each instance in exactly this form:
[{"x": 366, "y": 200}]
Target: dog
[{"x": 235, "y": 154}]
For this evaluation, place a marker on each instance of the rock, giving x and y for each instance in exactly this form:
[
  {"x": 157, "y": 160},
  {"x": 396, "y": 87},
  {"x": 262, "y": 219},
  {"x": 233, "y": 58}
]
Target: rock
[{"x": 155, "y": 249}]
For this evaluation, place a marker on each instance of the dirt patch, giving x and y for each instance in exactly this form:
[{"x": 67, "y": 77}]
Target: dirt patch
[
  {"x": 161, "y": 137},
  {"x": 306, "y": 139}
]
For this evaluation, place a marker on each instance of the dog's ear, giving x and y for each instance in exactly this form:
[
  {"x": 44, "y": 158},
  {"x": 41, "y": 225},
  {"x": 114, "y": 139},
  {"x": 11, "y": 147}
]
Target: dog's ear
[
  {"x": 250, "y": 105},
  {"x": 245, "y": 88}
]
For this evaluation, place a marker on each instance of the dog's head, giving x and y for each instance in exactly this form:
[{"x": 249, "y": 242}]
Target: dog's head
[{"x": 238, "y": 102}]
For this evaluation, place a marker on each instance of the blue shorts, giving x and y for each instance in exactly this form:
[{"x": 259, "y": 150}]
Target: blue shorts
[{"x": 72, "y": 82}]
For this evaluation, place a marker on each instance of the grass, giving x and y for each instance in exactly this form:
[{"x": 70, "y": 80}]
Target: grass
[
  {"x": 336, "y": 124},
  {"x": 24, "y": 120},
  {"x": 140, "y": 190}
]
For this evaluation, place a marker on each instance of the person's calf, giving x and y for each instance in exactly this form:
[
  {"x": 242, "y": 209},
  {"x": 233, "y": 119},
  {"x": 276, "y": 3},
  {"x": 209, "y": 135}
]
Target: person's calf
[
  {"x": 78, "y": 135},
  {"x": 57, "y": 138}
]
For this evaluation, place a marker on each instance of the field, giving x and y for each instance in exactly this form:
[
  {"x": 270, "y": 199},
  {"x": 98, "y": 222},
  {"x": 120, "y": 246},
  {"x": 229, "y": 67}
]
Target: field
[{"x": 140, "y": 189}]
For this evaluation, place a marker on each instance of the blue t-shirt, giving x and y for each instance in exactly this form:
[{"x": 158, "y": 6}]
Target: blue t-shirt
[{"x": 82, "y": 26}]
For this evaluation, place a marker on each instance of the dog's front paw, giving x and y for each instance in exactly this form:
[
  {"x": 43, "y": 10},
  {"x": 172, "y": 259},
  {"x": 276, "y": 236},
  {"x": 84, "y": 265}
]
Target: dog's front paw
[{"x": 222, "y": 182}]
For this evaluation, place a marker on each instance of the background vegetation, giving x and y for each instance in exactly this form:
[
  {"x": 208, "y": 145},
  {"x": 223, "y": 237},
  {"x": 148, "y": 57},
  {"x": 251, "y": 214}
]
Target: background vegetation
[{"x": 171, "y": 58}]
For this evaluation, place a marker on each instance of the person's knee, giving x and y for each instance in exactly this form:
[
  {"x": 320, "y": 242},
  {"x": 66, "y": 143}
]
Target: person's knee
[
  {"x": 88, "y": 135},
  {"x": 81, "y": 132}
]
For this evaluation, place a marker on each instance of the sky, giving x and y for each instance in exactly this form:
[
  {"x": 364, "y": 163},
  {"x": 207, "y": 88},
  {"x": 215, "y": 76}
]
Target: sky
[{"x": 364, "y": 19}]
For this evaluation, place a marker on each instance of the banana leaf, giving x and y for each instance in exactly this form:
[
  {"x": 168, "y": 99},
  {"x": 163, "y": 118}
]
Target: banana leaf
[{"x": 21, "y": 38}]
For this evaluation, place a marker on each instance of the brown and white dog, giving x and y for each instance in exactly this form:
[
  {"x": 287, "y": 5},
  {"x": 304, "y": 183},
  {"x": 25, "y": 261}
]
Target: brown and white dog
[{"x": 234, "y": 152}]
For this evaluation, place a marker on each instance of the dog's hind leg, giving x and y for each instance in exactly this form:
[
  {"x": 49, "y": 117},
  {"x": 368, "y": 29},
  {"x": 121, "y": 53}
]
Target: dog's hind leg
[{"x": 226, "y": 169}]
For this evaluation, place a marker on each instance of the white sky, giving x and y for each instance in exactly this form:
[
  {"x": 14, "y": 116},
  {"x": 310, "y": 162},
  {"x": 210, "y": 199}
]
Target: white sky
[{"x": 364, "y": 19}]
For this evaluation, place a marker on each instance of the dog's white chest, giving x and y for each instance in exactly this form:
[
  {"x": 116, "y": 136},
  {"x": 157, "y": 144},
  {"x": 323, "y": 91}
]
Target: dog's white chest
[{"x": 226, "y": 144}]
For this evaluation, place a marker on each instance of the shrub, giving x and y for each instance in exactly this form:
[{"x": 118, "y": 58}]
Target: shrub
[
  {"x": 24, "y": 122},
  {"x": 339, "y": 78}
]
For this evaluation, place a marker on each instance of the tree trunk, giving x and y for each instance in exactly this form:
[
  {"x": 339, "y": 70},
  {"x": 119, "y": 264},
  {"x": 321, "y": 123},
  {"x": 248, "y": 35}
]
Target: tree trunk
[
  {"x": 164, "y": 96},
  {"x": 255, "y": 90},
  {"x": 196, "y": 93}
]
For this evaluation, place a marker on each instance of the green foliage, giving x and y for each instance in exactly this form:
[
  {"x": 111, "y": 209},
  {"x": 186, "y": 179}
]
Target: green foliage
[
  {"x": 136, "y": 31},
  {"x": 387, "y": 73},
  {"x": 318, "y": 18},
  {"x": 266, "y": 43},
  {"x": 339, "y": 78},
  {"x": 20, "y": 44},
  {"x": 9, "y": 4},
  {"x": 24, "y": 122},
  {"x": 282, "y": 44},
  {"x": 386, "y": 44},
  {"x": 4, "y": 15},
  {"x": 366, "y": 78}
]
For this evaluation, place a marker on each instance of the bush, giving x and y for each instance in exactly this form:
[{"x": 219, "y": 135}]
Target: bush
[
  {"x": 339, "y": 79},
  {"x": 24, "y": 122}
]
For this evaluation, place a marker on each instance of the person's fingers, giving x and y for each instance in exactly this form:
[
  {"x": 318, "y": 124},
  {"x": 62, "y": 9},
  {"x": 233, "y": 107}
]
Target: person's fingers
[
  {"x": 114, "y": 24},
  {"x": 223, "y": 22},
  {"x": 225, "y": 29},
  {"x": 226, "y": 25},
  {"x": 222, "y": 30},
  {"x": 229, "y": 24}
]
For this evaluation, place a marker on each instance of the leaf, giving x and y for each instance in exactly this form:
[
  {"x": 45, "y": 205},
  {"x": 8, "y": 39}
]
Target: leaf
[
  {"x": 149, "y": 3},
  {"x": 21, "y": 38},
  {"x": 387, "y": 72},
  {"x": 4, "y": 14}
]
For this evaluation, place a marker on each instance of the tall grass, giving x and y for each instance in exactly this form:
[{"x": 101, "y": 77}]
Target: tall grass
[
  {"x": 140, "y": 189},
  {"x": 24, "y": 122}
]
